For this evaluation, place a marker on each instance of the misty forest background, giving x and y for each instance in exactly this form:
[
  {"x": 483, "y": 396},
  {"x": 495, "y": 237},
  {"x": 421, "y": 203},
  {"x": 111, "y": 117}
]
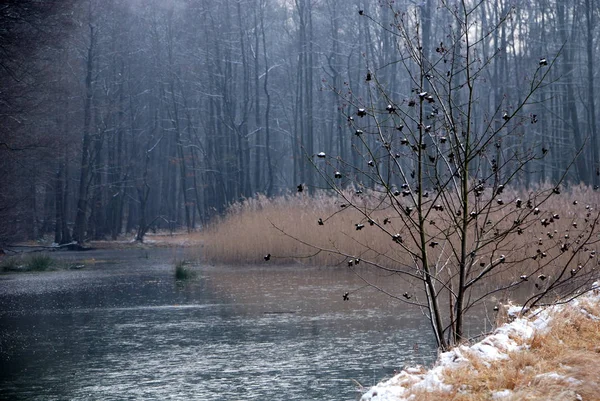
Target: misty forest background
[{"x": 130, "y": 115}]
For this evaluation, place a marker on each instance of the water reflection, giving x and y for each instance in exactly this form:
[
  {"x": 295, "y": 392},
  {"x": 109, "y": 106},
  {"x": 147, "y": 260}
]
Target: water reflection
[{"x": 127, "y": 330}]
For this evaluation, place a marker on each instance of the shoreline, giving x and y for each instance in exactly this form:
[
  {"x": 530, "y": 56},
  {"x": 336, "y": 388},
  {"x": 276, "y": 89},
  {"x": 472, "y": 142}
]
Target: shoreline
[{"x": 514, "y": 362}]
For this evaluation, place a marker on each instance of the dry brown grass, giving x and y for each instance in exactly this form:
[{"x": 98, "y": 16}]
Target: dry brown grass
[
  {"x": 560, "y": 364},
  {"x": 288, "y": 229},
  {"x": 285, "y": 226}
]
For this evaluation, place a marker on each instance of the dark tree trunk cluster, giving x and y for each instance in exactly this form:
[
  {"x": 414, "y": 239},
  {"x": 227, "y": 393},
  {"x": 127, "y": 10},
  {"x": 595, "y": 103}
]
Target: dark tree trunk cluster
[{"x": 127, "y": 116}]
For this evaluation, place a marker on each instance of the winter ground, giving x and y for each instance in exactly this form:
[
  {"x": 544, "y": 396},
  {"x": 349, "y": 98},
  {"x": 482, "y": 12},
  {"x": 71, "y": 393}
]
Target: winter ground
[{"x": 545, "y": 354}]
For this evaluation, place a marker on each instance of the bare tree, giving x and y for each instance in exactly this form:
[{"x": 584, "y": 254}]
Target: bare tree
[
  {"x": 79, "y": 230},
  {"x": 443, "y": 171}
]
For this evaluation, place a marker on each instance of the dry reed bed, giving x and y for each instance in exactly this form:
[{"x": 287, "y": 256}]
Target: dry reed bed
[{"x": 287, "y": 228}]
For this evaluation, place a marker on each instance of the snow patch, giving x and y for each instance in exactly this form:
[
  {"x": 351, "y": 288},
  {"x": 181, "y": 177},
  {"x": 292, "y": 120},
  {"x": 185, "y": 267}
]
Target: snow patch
[
  {"x": 500, "y": 395},
  {"x": 558, "y": 377}
]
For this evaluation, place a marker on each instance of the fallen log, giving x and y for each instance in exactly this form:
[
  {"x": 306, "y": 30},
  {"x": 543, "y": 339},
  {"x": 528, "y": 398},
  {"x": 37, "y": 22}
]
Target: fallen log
[{"x": 71, "y": 246}]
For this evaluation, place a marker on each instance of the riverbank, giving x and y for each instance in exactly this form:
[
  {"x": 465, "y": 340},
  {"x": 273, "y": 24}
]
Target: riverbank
[
  {"x": 163, "y": 239},
  {"x": 547, "y": 354},
  {"x": 43, "y": 255}
]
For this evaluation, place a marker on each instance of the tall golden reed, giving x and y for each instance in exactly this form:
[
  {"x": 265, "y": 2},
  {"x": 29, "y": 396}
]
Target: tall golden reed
[{"x": 287, "y": 227}]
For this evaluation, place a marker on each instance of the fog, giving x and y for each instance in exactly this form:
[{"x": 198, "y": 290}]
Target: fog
[{"x": 127, "y": 116}]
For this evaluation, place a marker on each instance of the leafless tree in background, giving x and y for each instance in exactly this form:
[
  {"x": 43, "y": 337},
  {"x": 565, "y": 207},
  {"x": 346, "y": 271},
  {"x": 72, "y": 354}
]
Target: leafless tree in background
[{"x": 201, "y": 103}]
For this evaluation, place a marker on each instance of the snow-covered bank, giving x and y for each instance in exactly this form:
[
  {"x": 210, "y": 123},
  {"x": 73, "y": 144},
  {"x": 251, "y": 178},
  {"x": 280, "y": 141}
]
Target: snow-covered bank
[{"x": 504, "y": 343}]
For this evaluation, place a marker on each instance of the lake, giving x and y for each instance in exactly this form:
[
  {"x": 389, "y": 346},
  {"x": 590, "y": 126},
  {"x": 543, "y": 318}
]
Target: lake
[{"x": 120, "y": 327}]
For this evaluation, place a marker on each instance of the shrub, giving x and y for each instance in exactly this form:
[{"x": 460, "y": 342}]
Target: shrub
[
  {"x": 39, "y": 263},
  {"x": 183, "y": 271},
  {"x": 10, "y": 265},
  {"x": 27, "y": 263}
]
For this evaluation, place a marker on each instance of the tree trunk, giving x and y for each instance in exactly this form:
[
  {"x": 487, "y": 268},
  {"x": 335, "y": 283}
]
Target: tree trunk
[
  {"x": 270, "y": 175},
  {"x": 570, "y": 103},
  {"x": 79, "y": 230},
  {"x": 594, "y": 142}
]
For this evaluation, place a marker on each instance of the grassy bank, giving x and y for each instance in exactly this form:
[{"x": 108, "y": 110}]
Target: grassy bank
[
  {"x": 28, "y": 263},
  {"x": 557, "y": 364},
  {"x": 551, "y": 355}
]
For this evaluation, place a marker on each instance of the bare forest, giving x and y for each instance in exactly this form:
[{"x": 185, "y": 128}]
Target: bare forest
[{"x": 128, "y": 116}]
